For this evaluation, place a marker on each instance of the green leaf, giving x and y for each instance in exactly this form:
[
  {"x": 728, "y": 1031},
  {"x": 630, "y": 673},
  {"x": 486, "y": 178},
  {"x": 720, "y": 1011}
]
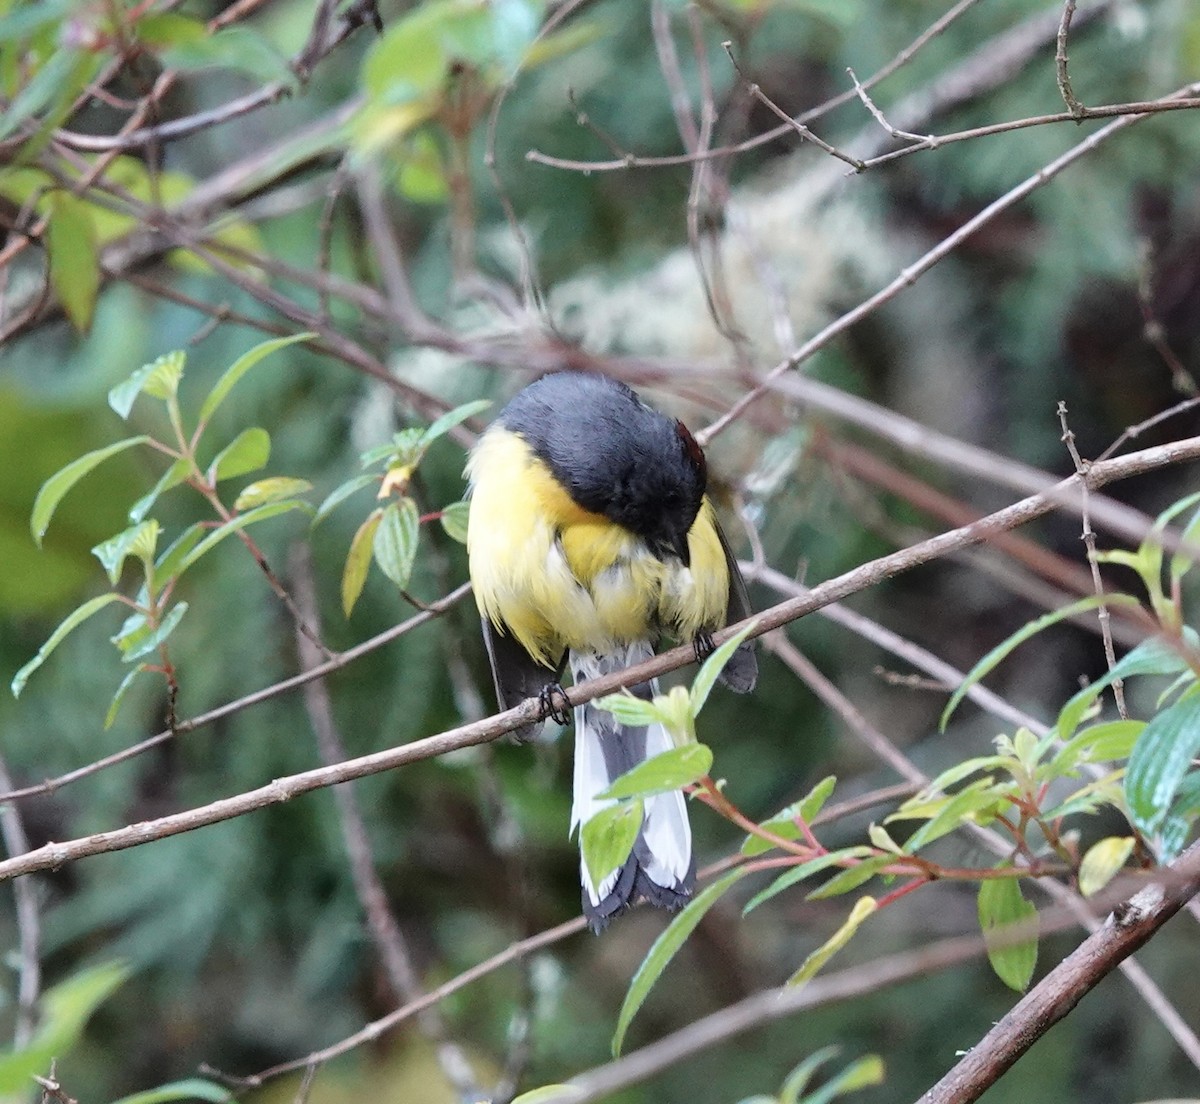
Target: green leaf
[
  {"x": 809, "y": 968},
  {"x": 1159, "y": 760},
  {"x": 880, "y": 839},
  {"x": 274, "y": 489},
  {"x": 53, "y": 490},
  {"x": 159, "y": 379},
  {"x": 664, "y": 949},
  {"x": 358, "y": 560},
  {"x": 662, "y": 773},
  {"x": 607, "y": 838},
  {"x": 797, "y": 1081},
  {"x": 51, "y": 90},
  {"x": 1102, "y": 862},
  {"x": 851, "y": 878},
  {"x": 547, "y": 1094},
  {"x": 146, "y": 637},
  {"x": 712, "y": 667},
  {"x": 439, "y": 427},
  {"x": 137, "y": 540},
  {"x": 160, "y": 29},
  {"x": 114, "y": 707},
  {"x": 395, "y": 543},
  {"x": 235, "y": 525},
  {"x": 962, "y": 808},
  {"x": 247, "y": 452},
  {"x": 454, "y": 520},
  {"x": 240, "y": 367},
  {"x": 340, "y": 494},
  {"x": 170, "y": 562},
  {"x": 65, "y": 1010},
  {"x": 1002, "y": 905},
  {"x": 993, "y": 658},
  {"x": 783, "y": 823},
  {"x": 172, "y": 477},
  {"x": 803, "y": 870},
  {"x": 193, "y": 1089},
  {"x": 74, "y": 256},
  {"x": 72, "y": 621},
  {"x": 1099, "y": 743},
  {"x": 867, "y": 1071},
  {"x": 630, "y": 710}
]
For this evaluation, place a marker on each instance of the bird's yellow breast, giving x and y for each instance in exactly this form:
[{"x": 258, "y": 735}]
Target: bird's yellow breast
[{"x": 559, "y": 577}]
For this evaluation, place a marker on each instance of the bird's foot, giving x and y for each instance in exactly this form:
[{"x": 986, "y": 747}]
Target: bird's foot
[
  {"x": 555, "y": 704},
  {"x": 703, "y": 645}
]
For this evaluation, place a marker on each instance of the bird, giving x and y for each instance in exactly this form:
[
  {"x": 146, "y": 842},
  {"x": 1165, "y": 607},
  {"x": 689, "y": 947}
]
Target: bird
[{"x": 590, "y": 536}]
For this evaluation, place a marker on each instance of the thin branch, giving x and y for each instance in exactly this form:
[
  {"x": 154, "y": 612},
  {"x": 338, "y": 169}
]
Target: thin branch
[
  {"x": 25, "y": 891},
  {"x": 1060, "y": 63},
  {"x": 1127, "y": 928},
  {"x": 256, "y": 697},
  {"x": 918, "y": 268},
  {"x": 1089, "y": 540},
  {"x": 54, "y": 855},
  {"x": 389, "y": 940}
]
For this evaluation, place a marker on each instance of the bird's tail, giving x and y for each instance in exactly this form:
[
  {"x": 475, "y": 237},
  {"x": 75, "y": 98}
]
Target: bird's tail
[{"x": 660, "y": 868}]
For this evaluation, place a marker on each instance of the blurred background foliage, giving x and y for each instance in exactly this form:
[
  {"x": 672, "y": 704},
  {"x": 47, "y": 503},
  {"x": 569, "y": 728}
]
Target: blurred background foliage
[{"x": 245, "y": 941}]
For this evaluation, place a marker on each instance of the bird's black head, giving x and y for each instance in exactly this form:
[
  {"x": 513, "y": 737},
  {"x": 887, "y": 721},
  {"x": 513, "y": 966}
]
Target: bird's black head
[{"x": 615, "y": 455}]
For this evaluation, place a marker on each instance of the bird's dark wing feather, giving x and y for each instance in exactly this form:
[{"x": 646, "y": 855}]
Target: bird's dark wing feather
[
  {"x": 516, "y": 673},
  {"x": 741, "y": 672}
]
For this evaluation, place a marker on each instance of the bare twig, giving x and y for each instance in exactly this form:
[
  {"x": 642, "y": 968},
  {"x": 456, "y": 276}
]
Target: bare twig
[
  {"x": 29, "y": 982},
  {"x": 389, "y": 940},
  {"x": 1060, "y": 63},
  {"x": 1089, "y": 541}
]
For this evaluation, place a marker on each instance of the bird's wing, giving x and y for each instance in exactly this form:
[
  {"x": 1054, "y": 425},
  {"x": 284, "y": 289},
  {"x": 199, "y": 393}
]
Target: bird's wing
[
  {"x": 741, "y": 672},
  {"x": 516, "y": 673}
]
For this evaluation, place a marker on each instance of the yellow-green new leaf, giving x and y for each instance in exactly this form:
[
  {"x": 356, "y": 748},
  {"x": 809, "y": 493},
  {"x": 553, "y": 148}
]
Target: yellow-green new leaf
[
  {"x": 358, "y": 561},
  {"x": 662, "y": 773},
  {"x": 159, "y": 379},
  {"x": 1004, "y": 916},
  {"x": 863, "y": 908},
  {"x": 274, "y": 489},
  {"x": 247, "y": 452},
  {"x": 1102, "y": 862}
]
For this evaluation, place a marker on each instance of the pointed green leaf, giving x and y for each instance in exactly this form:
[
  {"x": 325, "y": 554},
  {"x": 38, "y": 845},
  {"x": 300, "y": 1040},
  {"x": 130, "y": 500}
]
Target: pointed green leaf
[
  {"x": 358, "y": 560},
  {"x": 340, "y": 494},
  {"x": 441, "y": 426},
  {"x": 114, "y": 707},
  {"x": 193, "y": 1089},
  {"x": 240, "y": 367},
  {"x": 662, "y": 773},
  {"x": 172, "y": 477},
  {"x": 74, "y": 256},
  {"x": 851, "y": 878},
  {"x": 993, "y": 658},
  {"x": 454, "y": 520},
  {"x": 712, "y": 667},
  {"x": 53, "y": 490},
  {"x": 630, "y": 710},
  {"x": 664, "y": 949},
  {"x": 1001, "y": 906},
  {"x": 1159, "y": 760},
  {"x": 1099, "y": 743},
  {"x": 72, "y": 621},
  {"x": 247, "y": 452},
  {"x": 867, "y": 1071},
  {"x": 170, "y": 562},
  {"x": 1102, "y": 862},
  {"x": 138, "y": 541},
  {"x": 159, "y": 379},
  {"x": 236, "y": 525},
  {"x": 809, "y": 968},
  {"x": 803, "y": 870},
  {"x": 783, "y": 823},
  {"x": 607, "y": 838},
  {"x": 547, "y": 1094},
  {"x": 274, "y": 489},
  {"x": 798, "y": 1080},
  {"x": 395, "y": 544},
  {"x": 146, "y": 637},
  {"x": 962, "y": 808},
  {"x": 880, "y": 839}
]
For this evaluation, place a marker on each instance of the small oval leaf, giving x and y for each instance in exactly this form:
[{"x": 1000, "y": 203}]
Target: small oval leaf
[
  {"x": 358, "y": 560},
  {"x": 1102, "y": 862},
  {"x": 247, "y": 452},
  {"x": 1001, "y": 906},
  {"x": 454, "y": 520},
  {"x": 274, "y": 489},
  {"x": 74, "y": 256},
  {"x": 395, "y": 542},
  {"x": 607, "y": 838}
]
